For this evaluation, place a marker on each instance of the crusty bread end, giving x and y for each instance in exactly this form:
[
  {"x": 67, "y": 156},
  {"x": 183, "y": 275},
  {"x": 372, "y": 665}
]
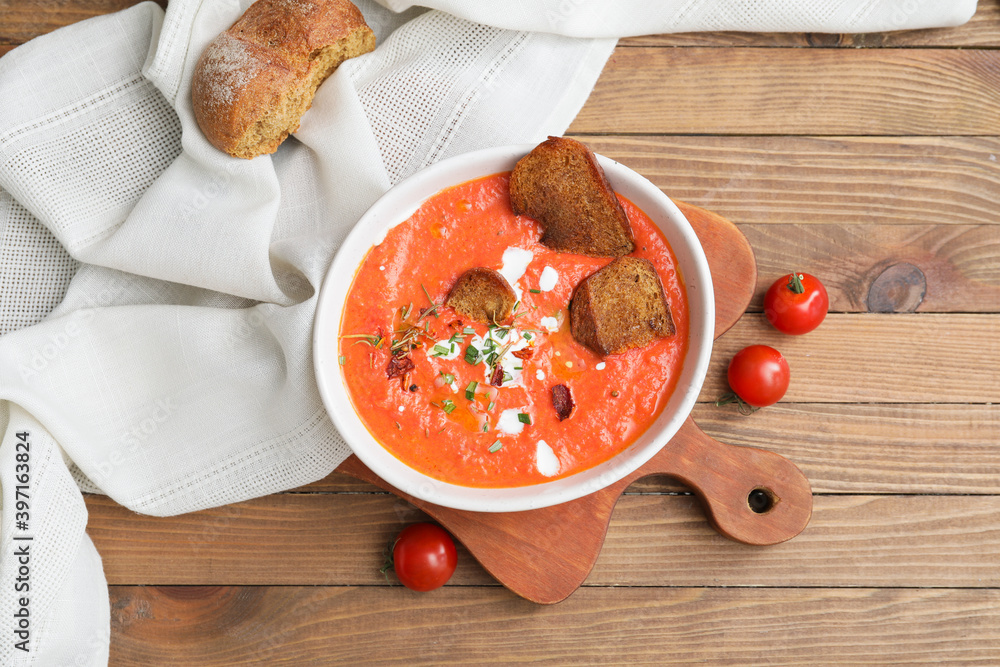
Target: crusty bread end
[{"x": 254, "y": 82}]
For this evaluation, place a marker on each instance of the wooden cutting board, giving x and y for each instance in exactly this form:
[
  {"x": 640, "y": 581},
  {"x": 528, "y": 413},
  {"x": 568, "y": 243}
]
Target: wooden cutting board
[{"x": 749, "y": 495}]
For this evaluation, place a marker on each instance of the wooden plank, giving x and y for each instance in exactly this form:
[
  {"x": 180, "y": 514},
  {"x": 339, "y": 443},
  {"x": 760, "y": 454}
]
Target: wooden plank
[
  {"x": 908, "y": 541},
  {"x": 901, "y": 268},
  {"x": 876, "y": 358},
  {"x": 795, "y": 91},
  {"x": 933, "y": 449},
  {"x": 829, "y": 180},
  {"x": 924, "y": 449},
  {"x": 598, "y": 626},
  {"x": 982, "y": 31},
  {"x": 27, "y": 19},
  {"x": 653, "y": 540}
]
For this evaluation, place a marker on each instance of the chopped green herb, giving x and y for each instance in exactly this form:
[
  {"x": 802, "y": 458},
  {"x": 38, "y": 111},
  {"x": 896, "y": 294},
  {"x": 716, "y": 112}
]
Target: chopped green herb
[
  {"x": 405, "y": 312},
  {"x": 486, "y": 426},
  {"x": 535, "y": 291},
  {"x": 455, "y": 338},
  {"x": 447, "y": 377},
  {"x": 518, "y": 368},
  {"x": 507, "y": 377},
  {"x": 523, "y": 418},
  {"x": 492, "y": 405},
  {"x": 469, "y": 331},
  {"x": 527, "y": 335},
  {"x": 473, "y": 355},
  {"x": 373, "y": 340},
  {"x": 470, "y": 390},
  {"x": 342, "y": 359},
  {"x": 448, "y": 406},
  {"x": 434, "y": 306},
  {"x": 495, "y": 447},
  {"x": 440, "y": 350}
]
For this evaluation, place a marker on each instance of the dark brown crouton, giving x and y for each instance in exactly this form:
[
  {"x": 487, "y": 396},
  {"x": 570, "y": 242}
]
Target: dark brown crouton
[
  {"x": 561, "y": 186},
  {"x": 482, "y": 295},
  {"x": 620, "y": 306}
]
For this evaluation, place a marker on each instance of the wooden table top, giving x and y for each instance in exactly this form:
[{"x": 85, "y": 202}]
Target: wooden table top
[{"x": 868, "y": 160}]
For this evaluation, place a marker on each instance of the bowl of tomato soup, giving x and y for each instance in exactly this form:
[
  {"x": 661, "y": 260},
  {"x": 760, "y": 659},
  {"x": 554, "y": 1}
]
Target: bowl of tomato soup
[{"x": 461, "y": 414}]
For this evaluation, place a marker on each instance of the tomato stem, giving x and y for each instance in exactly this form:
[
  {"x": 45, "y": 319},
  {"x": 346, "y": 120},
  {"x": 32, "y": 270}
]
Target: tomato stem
[
  {"x": 389, "y": 561},
  {"x": 795, "y": 283},
  {"x": 744, "y": 407}
]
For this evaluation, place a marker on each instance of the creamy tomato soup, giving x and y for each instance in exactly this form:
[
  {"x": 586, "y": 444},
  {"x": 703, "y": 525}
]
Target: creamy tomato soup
[{"x": 423, "y": 380}]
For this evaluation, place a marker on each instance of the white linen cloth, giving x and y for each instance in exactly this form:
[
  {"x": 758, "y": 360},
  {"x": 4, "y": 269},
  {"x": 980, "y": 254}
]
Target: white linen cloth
[{"x": 157, "y": 295}]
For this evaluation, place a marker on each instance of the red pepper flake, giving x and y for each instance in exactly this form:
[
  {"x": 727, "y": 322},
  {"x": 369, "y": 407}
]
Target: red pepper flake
[
  {"x": 562, "y": 401},
  {"x": 399, "y": 366},
  {"x": 497, "y": 378},
  {"x": 524, "y": 353}
]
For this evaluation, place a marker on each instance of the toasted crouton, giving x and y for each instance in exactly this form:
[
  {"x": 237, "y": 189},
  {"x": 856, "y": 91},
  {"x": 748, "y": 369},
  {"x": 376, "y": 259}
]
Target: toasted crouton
[
  {"x": 561, "y": 186},
  {"x": 620, "y": 306},
  {"x": 482, "y": 295}
]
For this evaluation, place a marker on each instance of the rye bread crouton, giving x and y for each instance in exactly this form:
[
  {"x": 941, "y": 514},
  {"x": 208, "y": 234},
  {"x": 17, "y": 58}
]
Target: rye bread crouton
[
  {"x": 482, "y": 295},
  {"x": 621, "y": 306},
  {"x": 561, "y": 186}
]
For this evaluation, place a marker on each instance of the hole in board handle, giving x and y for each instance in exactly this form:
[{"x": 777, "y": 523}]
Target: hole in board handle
[{"x": 761, "y": 500}]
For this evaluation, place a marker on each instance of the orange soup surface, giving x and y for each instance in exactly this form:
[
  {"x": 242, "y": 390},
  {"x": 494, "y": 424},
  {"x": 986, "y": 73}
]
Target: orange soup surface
[{"x": 439, "y": 412}]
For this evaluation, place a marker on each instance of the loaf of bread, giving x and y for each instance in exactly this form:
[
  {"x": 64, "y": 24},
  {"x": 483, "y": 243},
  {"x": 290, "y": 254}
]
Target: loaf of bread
[
  {"x": 621, "y": 306},
  {"x": 253, "y": 82},
  {"x": 562, "y": 187},
  {"x": 482, "y": 295}
]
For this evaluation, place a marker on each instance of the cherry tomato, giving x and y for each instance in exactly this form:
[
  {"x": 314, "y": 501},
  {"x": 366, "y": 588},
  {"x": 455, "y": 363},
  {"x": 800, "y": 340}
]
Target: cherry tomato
[
  {"x": 424, "y": 556},
  {"x": 759, "y": 375},
  {"x": 796, "y": 303}
]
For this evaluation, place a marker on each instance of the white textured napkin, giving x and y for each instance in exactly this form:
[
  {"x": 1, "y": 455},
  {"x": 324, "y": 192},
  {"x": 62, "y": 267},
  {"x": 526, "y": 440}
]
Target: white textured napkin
[{"x": 170, "y": 288}]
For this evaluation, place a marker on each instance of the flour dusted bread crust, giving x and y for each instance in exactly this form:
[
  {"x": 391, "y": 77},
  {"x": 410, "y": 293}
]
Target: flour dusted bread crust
[
  {"x": 253, "y": 82},
  {"x": 561, "y": 186}
]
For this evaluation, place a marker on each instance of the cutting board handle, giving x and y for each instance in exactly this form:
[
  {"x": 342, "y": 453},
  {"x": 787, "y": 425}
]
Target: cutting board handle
[{"x": 750, "y": 495}]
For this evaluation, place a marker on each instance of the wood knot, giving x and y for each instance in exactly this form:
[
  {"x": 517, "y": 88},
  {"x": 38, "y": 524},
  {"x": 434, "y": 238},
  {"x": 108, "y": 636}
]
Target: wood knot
[{"x": 900, "y": 288}]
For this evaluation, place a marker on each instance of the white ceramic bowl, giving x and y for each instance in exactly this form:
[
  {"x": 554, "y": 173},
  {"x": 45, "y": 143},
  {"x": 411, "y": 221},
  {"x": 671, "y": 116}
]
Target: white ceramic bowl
[{"x": 399, "y": 204}]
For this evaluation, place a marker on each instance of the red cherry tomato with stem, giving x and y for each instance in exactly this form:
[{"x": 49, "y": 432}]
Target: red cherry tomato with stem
[
  {"x": 424, "y": 556},
  {"x": 759, "y": 375},
  {"x": 796, "y": 304}
]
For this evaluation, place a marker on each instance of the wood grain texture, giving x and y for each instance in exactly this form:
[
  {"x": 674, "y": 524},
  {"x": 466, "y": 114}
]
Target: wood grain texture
[
  {"x": 960, "y": 264},
  {"x": 597, "y": 626},
  {"x": 862, "y": 448},
  {"x": 525, "y": 552},
  {"x": 795, "y": 91},
  {"x": 830, "y": 180},
  {"x": 24, "y": 20},
  {"x": 876, "y": 358},
  {"x": 906, "y": 448},
  {"x": 653, "y": 540}
]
